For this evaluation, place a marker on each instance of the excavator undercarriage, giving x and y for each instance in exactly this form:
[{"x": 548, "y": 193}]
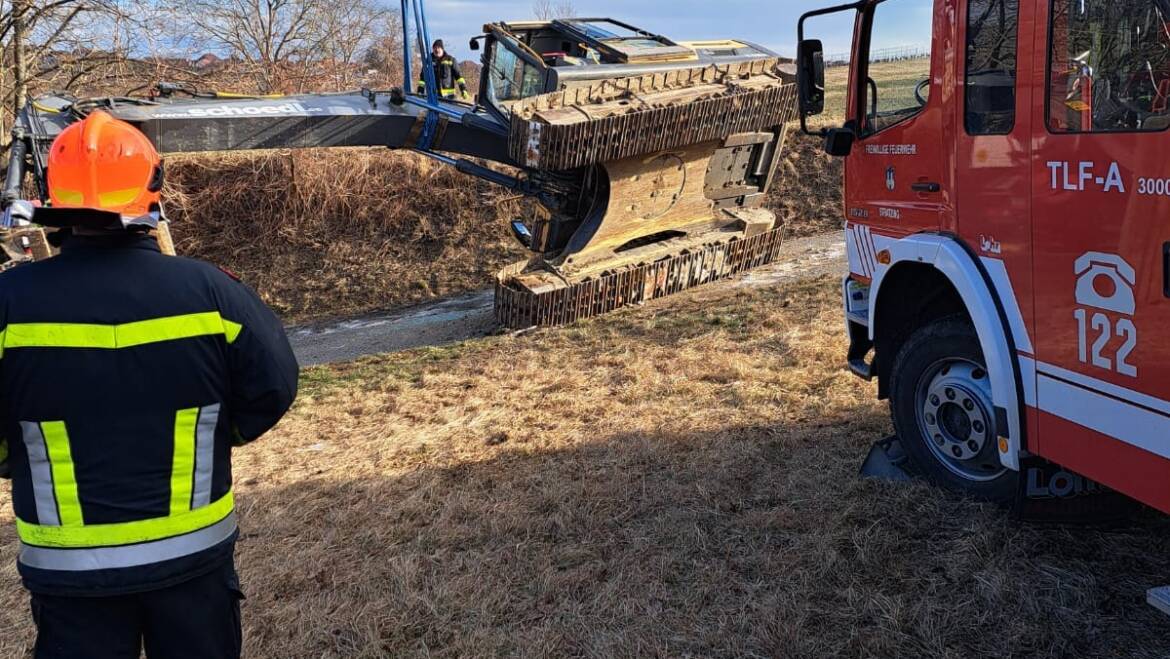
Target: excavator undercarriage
[{"x": 649, "y": 159}]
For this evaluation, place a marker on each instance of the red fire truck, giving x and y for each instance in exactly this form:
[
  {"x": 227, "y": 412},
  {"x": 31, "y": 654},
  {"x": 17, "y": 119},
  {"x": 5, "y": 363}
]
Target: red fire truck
[{"x": 1008, "y": 233}]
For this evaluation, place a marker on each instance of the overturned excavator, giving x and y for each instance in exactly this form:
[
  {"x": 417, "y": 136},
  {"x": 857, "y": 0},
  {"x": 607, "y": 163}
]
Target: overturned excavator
[{"x": 650, "y": 159}]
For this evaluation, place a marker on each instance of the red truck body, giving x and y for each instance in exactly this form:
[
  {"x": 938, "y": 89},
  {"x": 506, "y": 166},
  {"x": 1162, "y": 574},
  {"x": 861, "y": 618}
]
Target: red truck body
[{"x": 1026, "y": 190}]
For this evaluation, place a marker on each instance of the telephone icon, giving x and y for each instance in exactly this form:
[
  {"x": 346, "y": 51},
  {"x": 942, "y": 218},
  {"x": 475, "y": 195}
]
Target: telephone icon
[{"x": 1106, "y": 281}]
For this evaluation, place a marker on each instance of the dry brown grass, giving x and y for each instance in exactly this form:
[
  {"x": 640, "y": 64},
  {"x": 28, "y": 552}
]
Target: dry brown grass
[
  {"x": 808, "y": 194},
  {"x": 659, "y": 482},
  {"x": 329, "y": 233},
  {"x": 337, "y": 233}
]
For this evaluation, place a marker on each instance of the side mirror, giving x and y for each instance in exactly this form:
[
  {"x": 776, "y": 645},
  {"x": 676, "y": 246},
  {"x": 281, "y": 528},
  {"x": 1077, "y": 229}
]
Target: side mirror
[
  {"x": 810, "y": 76},
  {"x": 474, "y": 43},
  {"x": 839, "y": 141}
]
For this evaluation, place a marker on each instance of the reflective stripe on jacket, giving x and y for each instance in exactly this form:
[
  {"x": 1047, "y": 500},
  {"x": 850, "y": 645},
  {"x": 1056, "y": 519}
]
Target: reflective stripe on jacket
[{"x": 125, "y": 378}]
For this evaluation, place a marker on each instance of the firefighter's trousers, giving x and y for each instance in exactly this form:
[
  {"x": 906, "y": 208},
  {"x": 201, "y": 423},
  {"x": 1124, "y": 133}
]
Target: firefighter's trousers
[{"x": 199, "y": 618}]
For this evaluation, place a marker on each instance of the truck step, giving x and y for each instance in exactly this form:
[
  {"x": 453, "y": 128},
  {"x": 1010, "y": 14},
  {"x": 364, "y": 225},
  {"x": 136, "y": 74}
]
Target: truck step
[
  {"x": 861, "y": 368},
  {"x": 1159, "y": 598}
]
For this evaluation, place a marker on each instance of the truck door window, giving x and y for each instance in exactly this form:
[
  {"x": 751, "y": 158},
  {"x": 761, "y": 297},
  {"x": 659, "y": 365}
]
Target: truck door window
[
  {"x": 1109, "y": 66},
  {"x": 898, "y": 62},
  {"x": 992, "y": 26}
]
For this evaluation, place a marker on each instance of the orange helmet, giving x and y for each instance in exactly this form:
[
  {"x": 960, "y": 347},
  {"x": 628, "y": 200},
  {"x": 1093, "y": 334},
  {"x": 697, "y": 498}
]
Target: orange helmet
[{"x": 104, "y": 164}]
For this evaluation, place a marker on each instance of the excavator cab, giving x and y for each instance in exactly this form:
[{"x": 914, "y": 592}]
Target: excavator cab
[{"x": 526, "y": 59}]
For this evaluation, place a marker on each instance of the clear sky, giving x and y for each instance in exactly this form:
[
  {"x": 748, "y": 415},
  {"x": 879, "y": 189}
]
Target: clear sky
[{"x": 770, "y": 23}]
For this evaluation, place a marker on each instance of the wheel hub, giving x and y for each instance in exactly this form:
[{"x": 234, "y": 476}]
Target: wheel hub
[{"x": 956, "y": 415}]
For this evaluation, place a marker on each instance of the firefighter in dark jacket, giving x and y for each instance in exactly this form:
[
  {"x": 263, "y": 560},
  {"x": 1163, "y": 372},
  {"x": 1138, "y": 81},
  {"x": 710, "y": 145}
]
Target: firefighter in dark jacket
[
  {"x": 126, "y": 377},
  {"x": 447, "y": 75}
]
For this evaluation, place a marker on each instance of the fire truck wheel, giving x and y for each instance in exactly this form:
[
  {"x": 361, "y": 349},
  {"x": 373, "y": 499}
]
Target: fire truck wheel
[{"x": 940, "y": 399}]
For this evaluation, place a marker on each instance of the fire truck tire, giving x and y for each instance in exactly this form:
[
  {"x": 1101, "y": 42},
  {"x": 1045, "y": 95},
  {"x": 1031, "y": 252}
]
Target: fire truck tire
[{"x": 940, "y": 400}]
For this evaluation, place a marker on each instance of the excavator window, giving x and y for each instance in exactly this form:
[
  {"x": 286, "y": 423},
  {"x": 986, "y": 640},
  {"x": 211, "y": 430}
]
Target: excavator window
[
  {"x": 604, "y": 29},
  {"x": 621, "y": 43},
  {"x": 511, "y": 77},
  {"x": 1109, "y": 66}
]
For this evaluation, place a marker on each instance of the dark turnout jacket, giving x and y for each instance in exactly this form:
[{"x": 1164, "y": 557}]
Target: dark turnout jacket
[
  {"x": 447, "y": 76},
  {"x": 126, "y": 376}
]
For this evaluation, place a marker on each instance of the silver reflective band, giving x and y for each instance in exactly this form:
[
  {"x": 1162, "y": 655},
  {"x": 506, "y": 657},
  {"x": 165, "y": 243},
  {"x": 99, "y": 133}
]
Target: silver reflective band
[
  {"x": 204, "y": 455},
  {"x": 104, "y": 558},
  {"x": 42, "y": 474}
]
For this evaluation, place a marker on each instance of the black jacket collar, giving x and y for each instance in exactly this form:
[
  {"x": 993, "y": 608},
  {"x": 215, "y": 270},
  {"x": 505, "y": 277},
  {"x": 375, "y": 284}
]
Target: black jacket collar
[{"x": 115, "y": 240}]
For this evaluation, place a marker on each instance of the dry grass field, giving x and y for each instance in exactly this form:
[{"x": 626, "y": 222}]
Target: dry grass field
[{"x": 666, "y": 481}]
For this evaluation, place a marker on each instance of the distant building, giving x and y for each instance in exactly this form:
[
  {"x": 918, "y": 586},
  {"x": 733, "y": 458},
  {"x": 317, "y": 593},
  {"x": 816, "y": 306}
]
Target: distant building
[{"x": 206, "y": 61}]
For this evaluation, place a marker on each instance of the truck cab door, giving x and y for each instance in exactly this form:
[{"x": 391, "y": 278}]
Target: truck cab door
[
  {"x": 894, "y": 177},
  {"x": 1101, "y": 204}
]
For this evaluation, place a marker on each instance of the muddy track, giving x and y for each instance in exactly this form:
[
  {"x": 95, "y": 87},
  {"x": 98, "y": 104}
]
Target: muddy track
[{"x": 470, "y": 316}]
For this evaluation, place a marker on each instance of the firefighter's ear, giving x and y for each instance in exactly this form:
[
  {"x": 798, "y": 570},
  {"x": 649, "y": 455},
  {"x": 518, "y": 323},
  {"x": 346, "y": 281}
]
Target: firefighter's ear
[{"x": 156, "y": 179}]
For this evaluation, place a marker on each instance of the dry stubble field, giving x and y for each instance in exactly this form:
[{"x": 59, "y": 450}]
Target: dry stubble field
[{"x": 661, "y": 482}]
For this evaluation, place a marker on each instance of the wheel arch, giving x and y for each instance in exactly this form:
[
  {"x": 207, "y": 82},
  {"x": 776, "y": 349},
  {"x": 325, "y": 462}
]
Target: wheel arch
[
  {"x": 911, "y": 295},
  {"x": 930, "y": 276}
]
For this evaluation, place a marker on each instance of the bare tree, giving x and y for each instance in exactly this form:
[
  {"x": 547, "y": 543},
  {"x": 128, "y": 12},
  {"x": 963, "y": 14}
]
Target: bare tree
[
  {"x": 267, "y": 34},
  {"x": 20, "y": 23},
  {"x": 347, "y": 31},
  {"x": 289, "y": 44},
  {"x": 549, "y": 9},
  {"x": 55, "y": 44},
  {"x": 384, "y": 54},
  {"x": 104, "y": 47}
]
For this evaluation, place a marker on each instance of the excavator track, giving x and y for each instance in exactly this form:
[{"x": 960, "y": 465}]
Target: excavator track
[
  {"x": 616, "y": 119},
  {"x": 520, "y": 308}
]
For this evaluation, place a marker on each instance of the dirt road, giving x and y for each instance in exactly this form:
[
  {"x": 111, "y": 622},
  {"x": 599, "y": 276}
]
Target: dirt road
[{"x": 470, "y": 316}]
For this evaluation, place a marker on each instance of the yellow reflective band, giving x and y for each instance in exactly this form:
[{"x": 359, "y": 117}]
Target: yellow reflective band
[
  {"x": 128, "y": 335},
  {"x": 230, "y": 330},
  {"x": 59, "y": 335},
  {"x": 239, "y": 95},
  {"x": 118, "y": 197},
  {"x": 64, "y": 480},
  {"x": 71, "y": 197},
  {"x": 125, "y": 533},
  {"x": 169, "y": 329},
  {"x": 183, "y": 466}
]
